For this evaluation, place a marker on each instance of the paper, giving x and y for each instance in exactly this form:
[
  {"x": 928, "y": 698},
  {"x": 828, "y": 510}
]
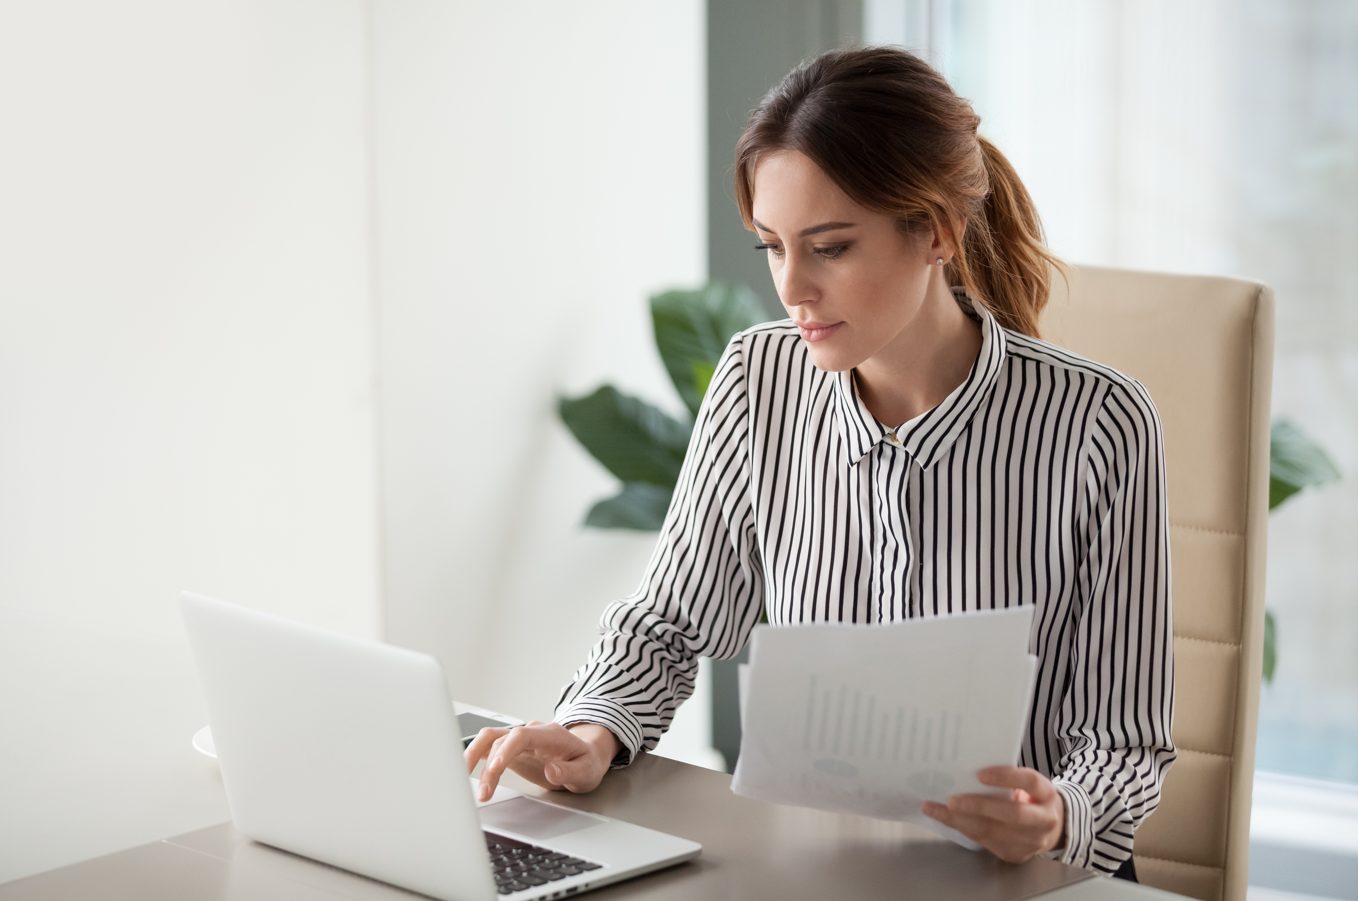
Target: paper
[{"x": 876, "y": 719}]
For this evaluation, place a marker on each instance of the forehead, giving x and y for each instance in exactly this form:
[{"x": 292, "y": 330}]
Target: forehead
[{"x": 790, "y": 191}]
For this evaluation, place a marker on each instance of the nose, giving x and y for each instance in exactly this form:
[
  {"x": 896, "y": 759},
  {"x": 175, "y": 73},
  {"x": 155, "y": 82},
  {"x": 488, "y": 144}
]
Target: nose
[{"x": 795, "y": 283}]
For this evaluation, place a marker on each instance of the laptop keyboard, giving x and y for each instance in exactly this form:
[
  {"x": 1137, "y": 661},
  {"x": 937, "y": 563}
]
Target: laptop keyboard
[{"x": 519, "y": 865}]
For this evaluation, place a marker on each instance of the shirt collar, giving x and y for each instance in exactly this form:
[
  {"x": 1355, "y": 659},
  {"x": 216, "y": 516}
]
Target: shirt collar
[{"x": 926, "y": 437}]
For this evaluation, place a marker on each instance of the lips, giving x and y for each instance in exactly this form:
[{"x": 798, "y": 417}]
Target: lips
[{"x": 817, "y": 331}]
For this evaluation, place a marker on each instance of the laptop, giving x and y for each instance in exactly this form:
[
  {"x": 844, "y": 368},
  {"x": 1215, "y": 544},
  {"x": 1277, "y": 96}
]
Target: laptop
[{"x": 349, "y": 752}]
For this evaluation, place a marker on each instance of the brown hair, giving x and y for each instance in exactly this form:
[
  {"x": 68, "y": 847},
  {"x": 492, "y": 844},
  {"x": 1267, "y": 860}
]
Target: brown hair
[{"x": 890, "y": 131}]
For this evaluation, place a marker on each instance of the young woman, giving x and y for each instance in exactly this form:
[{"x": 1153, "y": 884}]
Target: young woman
[{"x": 904, "y": 445}]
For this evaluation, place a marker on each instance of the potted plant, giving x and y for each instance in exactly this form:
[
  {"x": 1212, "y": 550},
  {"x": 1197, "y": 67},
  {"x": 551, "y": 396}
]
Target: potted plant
[
  {"x": 644, "y": 447},
  {"x": 637, "y": 441}
]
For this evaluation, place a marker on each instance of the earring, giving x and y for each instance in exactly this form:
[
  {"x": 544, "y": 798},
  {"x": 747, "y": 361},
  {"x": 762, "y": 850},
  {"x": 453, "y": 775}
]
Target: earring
[{"x": 938, "y": 262}]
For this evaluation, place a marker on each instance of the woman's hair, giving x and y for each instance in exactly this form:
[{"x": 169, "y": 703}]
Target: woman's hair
[{"x": 888, "y": 129}]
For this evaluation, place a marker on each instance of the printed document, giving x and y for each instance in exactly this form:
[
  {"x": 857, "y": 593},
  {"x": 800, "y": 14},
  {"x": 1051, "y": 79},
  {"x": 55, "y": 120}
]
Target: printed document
[{"x": 876, "y": 719}]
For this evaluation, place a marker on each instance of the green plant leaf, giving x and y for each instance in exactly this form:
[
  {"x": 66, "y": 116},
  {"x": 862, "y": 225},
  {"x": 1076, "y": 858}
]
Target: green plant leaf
[
  {"x": 702, "y": 376},
  {"x": 1270, "y": 646},
  {"x": 694, "y": 326},
  {"x": 634, "y": 440},
  {"x": 638, "y": 506},
  {"x": 1295, "y": 462}
]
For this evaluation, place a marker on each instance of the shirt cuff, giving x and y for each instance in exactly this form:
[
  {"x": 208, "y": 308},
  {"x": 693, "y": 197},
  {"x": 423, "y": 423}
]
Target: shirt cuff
[
  {"x": 1079, "y": 845},
  {"x": 612, "y": 716}
]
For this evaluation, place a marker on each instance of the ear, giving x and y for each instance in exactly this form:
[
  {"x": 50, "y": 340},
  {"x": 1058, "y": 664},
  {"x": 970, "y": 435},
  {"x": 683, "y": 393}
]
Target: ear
[{"x": 943, "y": 245}]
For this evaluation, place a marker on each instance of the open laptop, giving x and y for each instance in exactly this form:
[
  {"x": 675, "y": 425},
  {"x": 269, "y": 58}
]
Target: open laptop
[{"x": 349, "y": 752}]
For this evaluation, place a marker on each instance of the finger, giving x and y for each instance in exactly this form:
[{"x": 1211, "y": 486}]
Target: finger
[
  {"x": 976, "y": 828},
  {"x": 574, "y": 774},
  {"x": 496, "y": 745},
  {"x": 480, "y": 745},
  {"x": 1030, "y": 780},
  {"x": 1002, "y": 810},
  {"x": 526, "y": 749},
  {"x": 503, "y": 750},
  {"x": 989, "y": 834}
]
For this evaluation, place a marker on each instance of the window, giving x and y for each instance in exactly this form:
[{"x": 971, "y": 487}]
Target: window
[{"x": 1221, "y": 138}]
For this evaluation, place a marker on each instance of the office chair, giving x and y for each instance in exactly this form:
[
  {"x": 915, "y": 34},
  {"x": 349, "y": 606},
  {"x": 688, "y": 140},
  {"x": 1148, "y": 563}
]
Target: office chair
[{"x": 1203, "y": 347}]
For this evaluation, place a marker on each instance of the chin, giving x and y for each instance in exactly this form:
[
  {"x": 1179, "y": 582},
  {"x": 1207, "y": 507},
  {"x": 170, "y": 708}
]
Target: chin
[{"x": 828, "y": 359}]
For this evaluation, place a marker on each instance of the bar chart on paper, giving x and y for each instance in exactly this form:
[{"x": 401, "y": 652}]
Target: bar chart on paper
[
  {"x": 844, "y": 724},
  {"x": 875, "y": 753}
]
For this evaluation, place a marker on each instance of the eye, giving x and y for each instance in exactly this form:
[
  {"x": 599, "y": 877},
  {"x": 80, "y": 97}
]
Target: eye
[{"x": 832, "y": 252}]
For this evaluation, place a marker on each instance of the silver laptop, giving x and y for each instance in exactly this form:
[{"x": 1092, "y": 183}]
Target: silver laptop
[{"x": 349, "y": 752}]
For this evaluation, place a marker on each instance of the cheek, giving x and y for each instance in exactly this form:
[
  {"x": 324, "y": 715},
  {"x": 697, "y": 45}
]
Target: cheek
[
  {"x": 900, "y": 289},
  {"x": 882, "y": 293}
]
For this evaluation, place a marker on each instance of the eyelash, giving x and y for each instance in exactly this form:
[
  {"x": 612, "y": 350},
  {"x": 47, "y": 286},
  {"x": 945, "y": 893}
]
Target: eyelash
[{"x": 838, "y": 249}]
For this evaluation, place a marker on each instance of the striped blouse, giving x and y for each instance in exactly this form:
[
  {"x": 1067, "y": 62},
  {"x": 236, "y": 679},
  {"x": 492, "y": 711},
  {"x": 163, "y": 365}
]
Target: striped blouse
[{"x": 1039, "y": 480}]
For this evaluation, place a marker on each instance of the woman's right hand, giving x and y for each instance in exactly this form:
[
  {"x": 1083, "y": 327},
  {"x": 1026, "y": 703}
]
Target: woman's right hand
[{"x": 546, "y": 754}]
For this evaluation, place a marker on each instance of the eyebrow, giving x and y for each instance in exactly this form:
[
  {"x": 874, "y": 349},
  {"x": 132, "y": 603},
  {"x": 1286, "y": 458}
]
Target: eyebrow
[{"x": 813, "y": 230}]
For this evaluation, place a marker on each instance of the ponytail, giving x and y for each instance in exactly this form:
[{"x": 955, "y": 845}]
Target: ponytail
[{"x": 1003, "y": 260}]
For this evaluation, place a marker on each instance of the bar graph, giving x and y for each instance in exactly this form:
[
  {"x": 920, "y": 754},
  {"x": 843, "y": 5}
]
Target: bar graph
[{"x": 849, "y": 723}]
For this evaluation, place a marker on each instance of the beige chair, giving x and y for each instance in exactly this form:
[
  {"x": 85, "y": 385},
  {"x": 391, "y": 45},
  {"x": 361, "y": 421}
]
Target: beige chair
[{"x": 1203, "y": 347}]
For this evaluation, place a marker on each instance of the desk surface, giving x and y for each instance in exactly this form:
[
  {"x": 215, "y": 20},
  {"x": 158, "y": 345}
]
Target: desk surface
[{"x": 751, "y": 850}]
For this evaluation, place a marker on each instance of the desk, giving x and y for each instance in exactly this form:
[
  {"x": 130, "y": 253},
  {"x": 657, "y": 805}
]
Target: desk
[{"x": 751, "y": 850}]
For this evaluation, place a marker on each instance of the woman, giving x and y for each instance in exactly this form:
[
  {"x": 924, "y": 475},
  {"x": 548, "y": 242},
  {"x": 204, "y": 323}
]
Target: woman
[{"x": 905, "y": 446}]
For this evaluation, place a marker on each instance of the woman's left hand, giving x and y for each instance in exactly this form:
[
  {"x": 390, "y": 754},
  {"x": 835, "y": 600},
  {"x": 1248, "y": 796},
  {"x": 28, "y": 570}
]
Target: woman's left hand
[{"x": 1016, "y": 828}]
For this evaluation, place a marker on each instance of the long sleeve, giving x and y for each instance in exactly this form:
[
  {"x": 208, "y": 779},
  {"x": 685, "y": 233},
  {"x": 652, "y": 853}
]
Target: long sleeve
[
  {"x": 702, "y": 589},
  {"x": 1114, "y": 720}
]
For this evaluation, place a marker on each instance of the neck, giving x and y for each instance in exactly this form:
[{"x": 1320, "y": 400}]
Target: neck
[{"x": 931, "y": 357}]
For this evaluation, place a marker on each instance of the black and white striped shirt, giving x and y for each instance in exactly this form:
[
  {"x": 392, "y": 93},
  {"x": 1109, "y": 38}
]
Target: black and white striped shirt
[{"x": 1038, "y": 481}]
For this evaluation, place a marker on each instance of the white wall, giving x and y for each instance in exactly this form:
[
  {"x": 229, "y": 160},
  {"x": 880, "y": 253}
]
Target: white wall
[
  {"x": 540, "y": 173},
  {"x": 228, "y": 230},
  {"x": 186, "y": 391}
]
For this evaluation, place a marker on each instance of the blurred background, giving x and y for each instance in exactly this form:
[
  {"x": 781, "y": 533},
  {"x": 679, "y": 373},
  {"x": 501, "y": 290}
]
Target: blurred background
[{"x": 289, "y": 290}]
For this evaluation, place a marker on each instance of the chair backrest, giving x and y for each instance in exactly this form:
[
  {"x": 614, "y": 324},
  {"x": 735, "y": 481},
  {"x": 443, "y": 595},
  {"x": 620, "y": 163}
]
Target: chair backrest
[{"x": 1203, "y": 347}]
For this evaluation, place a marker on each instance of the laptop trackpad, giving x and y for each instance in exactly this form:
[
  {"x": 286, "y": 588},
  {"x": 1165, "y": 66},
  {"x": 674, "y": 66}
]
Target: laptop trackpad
[{"x": 534, "y": 819}]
